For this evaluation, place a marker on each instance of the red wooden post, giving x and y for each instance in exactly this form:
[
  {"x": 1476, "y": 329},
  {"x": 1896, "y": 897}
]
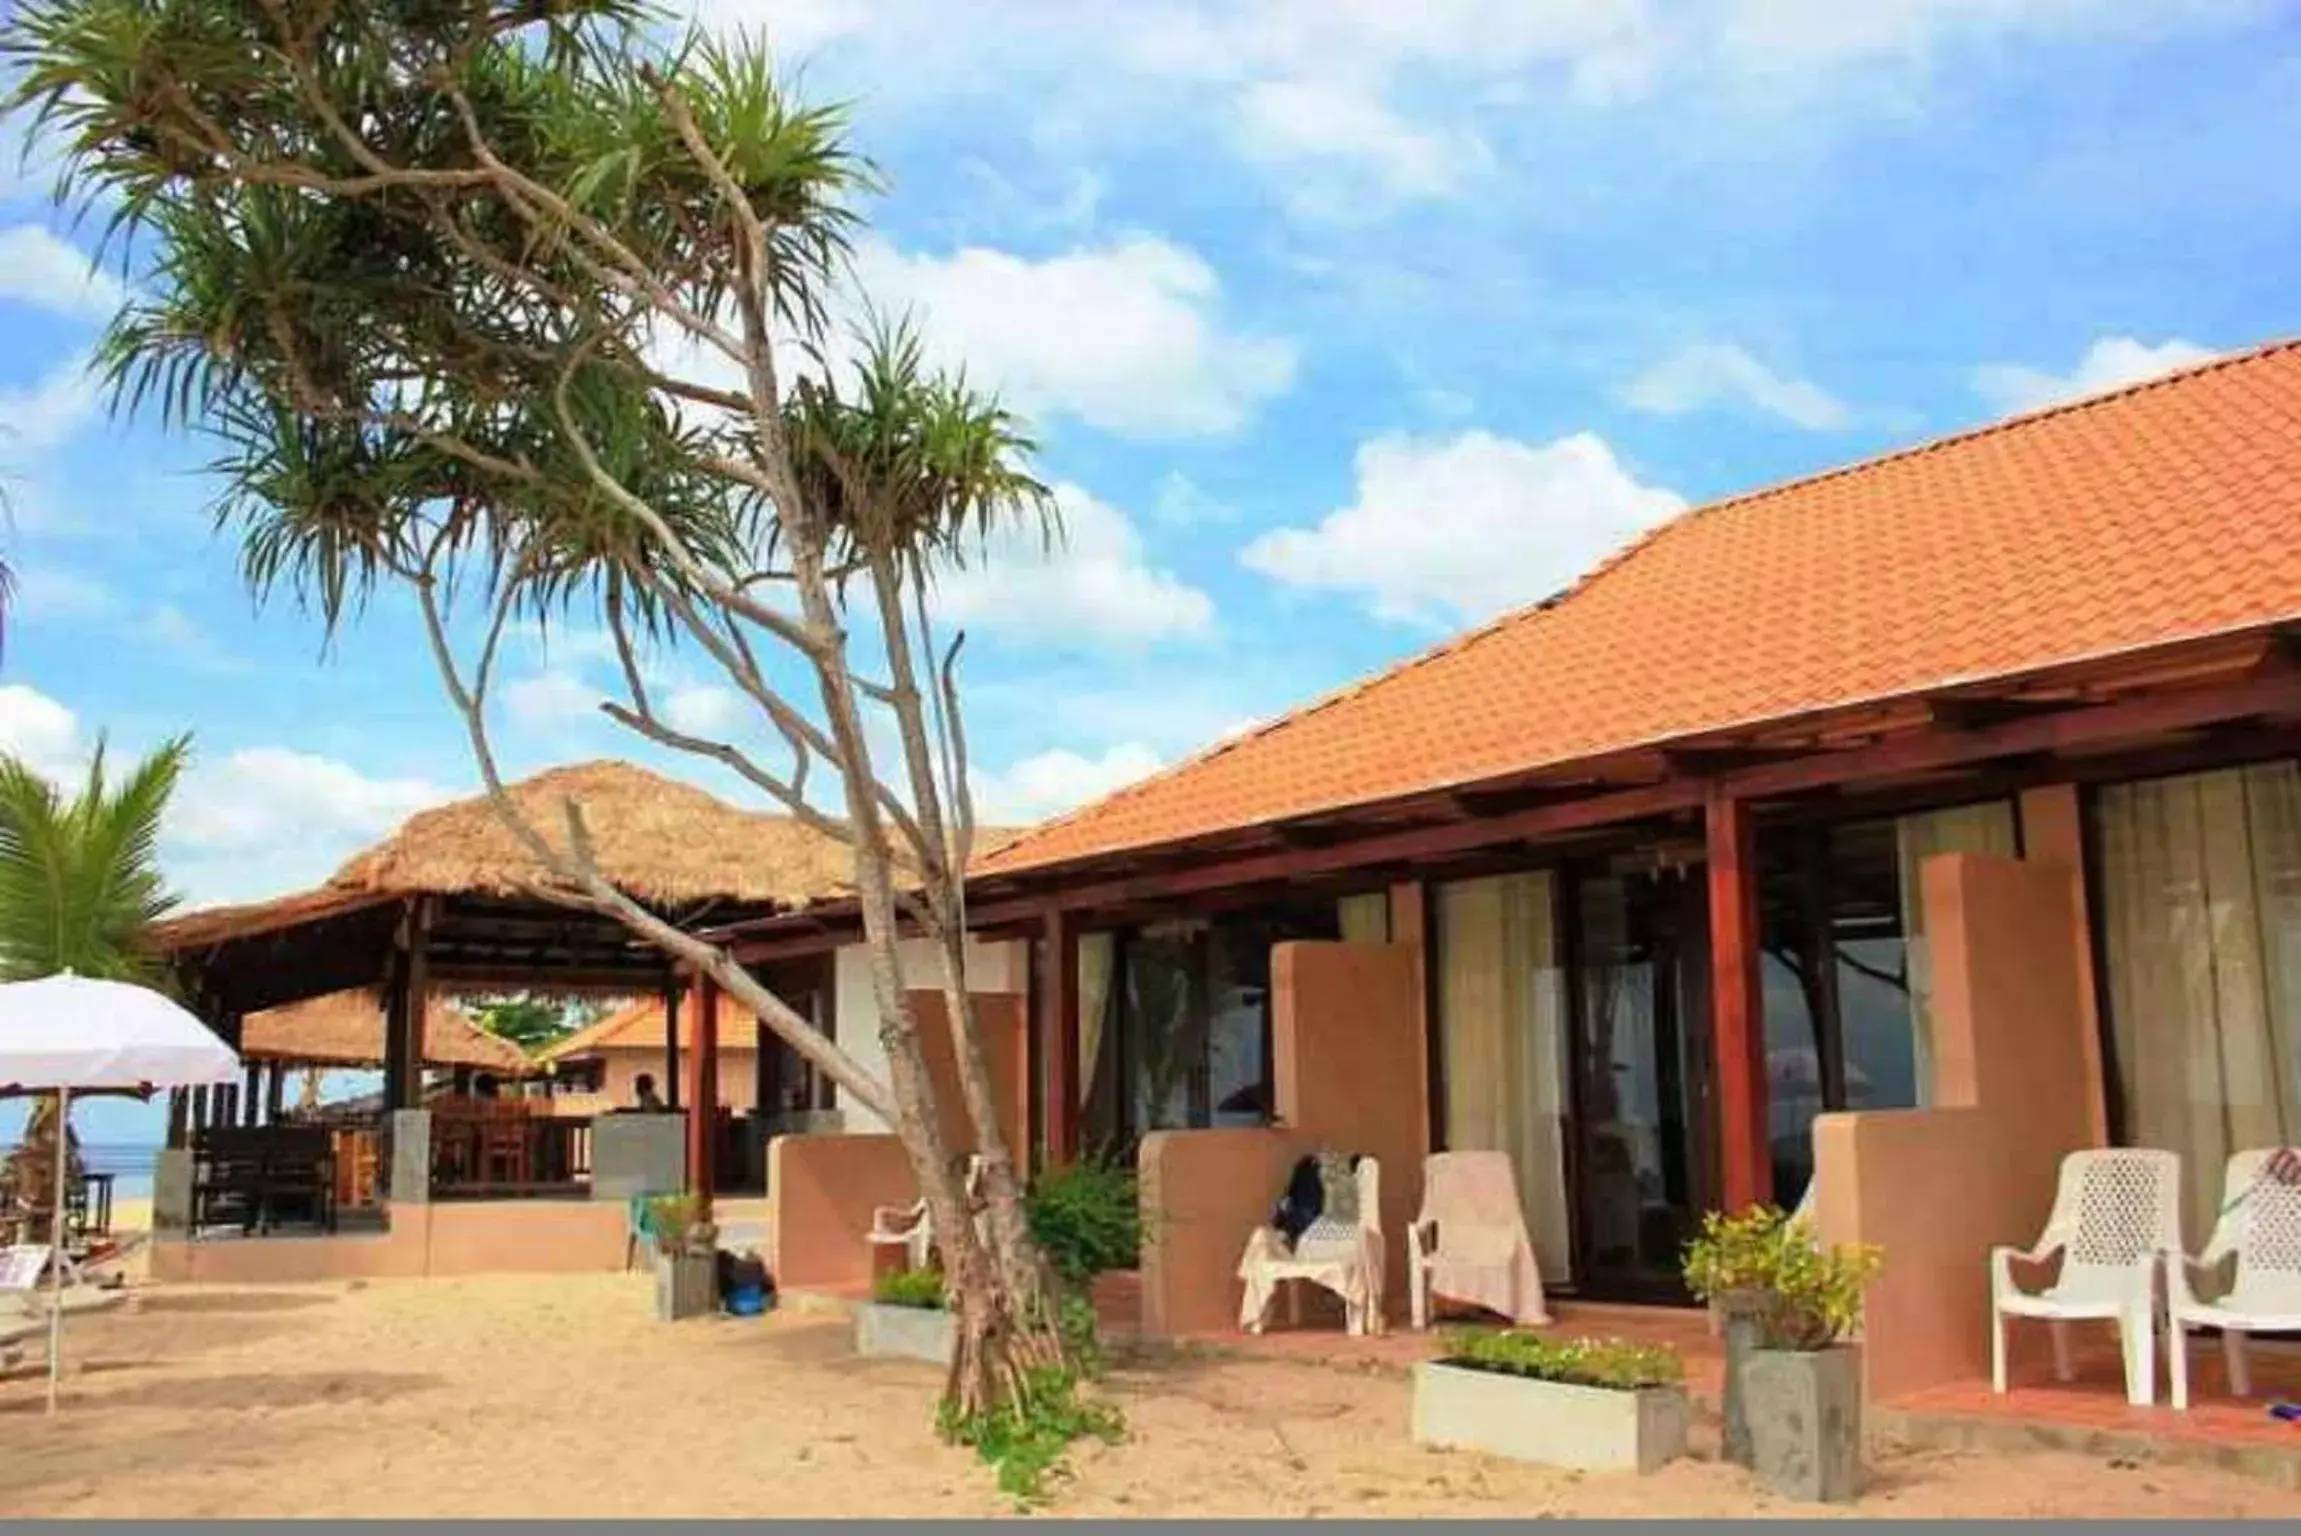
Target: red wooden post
[
  {"x": 671, "y": 1089},
  {"x": 703, "y": 1091},
  {"x": 1058, "y": 1030},
  {"x": 1738, "y": 1022}
]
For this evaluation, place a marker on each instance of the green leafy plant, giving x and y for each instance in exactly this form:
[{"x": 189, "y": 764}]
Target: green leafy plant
[
  {"x": 1803, "y": 1296},
  {"x": 1026, "y": 1437},
  {"x": 1086, "y": 1217},
  {"x": 1612, "y": 1363},
  {"x": 678, "y": 1222},
  {"x": 921, "y": 1288}
]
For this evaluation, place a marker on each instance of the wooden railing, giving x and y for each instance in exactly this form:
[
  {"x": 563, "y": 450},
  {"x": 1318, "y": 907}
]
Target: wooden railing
[{"x": 504, "y": 1148}]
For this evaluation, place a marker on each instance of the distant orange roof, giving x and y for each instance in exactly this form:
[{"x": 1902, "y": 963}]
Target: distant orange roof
[
  {"x": 2165, "y": 512},
  {"x": 640, "y": 1027}
]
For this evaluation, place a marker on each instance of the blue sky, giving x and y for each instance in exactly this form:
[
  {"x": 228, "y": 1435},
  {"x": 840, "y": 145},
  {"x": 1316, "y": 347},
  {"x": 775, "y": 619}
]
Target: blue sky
[{"x": 1343, "y": 324}]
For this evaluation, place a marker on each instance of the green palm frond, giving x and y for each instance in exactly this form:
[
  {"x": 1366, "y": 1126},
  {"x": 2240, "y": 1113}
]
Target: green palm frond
[{"x": 80, "y": 878}]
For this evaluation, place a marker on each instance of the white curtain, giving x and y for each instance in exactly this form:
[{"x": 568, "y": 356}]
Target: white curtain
[
  {"x": 1364, "y": 919},
  {"x": 1095, "y": 952},
  {"x": 1502, "y": 1016},
  {"x": 1988, "y": 827},
  {"x": 2201, "y": 915}
]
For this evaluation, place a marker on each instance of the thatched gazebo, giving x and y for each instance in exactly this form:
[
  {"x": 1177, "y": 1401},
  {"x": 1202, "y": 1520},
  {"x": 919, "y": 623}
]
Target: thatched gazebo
[{"x": 452, "y": 903}]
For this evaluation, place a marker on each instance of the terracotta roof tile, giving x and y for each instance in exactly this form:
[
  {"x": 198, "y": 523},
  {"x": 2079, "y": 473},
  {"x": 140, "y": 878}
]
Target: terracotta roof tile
[
  {"x": 2167, "y": 511},
  {"x": 639, "y": 1026}
]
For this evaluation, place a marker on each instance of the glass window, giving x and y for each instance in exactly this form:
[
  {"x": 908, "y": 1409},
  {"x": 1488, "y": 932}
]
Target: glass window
[
  {"x": 1842, "y": 925},
  {"x": 2200, "y": 887}
]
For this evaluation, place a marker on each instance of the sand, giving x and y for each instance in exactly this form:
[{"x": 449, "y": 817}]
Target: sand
[{"x": 561, "y": 1396}]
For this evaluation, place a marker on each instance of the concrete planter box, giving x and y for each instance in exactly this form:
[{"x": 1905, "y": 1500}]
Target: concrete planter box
[
  {"x": 1805, "y": 1421},
  {"x": 1589, "y": 1429},
  {"x": 904, "y": 1333},
  {"x": 686, "y": 1285}
]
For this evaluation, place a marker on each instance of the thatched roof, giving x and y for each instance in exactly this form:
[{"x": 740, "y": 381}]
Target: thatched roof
[
  {"x": 656, "y": 838},
  {"x": 346, "y": 1029},
  {"x": 640, "y": 1028}
]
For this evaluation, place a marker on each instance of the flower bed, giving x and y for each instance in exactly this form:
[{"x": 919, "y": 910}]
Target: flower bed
[{"x": 1598, "y": 1405}]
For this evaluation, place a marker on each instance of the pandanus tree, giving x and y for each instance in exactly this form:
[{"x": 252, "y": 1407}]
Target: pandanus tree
[
  {"x": 79, "y": 883},
  {"x": 526, "y": 309}
]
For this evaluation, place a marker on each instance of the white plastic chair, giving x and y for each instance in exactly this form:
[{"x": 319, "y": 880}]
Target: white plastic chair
[
  {"x": 910, "y": 1228},
  {"x": 2260, "y": 1227},
  {"x": 2116, "y": 1222},
  {"x": 1344, "y": 1260},
  {"x": 1470, "y": 1241}
]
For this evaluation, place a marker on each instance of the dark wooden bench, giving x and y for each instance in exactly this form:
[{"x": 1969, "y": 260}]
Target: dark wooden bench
[{"x": 255, "y": 1175}]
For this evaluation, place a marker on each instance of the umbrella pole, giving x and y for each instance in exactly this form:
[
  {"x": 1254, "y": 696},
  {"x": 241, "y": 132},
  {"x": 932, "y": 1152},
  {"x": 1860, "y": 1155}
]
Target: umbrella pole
[{"x": 56, "y": 1249}]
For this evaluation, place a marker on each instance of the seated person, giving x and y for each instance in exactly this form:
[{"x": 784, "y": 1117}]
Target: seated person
[{"x": 644, "y": 1099}]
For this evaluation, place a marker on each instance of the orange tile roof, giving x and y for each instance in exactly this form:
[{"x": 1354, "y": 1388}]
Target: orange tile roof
[
  {"x": 2167, "y": 511},
  {"x": 640, "y": 1027}
]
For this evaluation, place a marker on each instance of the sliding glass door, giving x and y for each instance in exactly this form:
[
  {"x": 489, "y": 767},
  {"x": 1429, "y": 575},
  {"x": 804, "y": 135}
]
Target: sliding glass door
[{"x": 2199, "y": 885}]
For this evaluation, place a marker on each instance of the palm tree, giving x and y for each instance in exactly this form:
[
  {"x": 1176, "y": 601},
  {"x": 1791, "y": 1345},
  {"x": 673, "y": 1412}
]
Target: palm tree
[{"x": 79, "y": 883}]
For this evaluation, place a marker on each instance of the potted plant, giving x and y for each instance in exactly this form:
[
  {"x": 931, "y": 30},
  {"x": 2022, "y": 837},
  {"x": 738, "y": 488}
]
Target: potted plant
[
  {"x": 1592, "y": 1404},
  {"x": 686, "y": 1257},
  {"x": 905, "y": 1318},
  {"x": 1799, "y": 1385},
  {"x": 1727, "y": 1268}
]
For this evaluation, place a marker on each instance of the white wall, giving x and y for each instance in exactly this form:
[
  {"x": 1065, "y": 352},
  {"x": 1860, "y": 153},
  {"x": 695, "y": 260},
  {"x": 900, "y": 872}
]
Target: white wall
[{"x": 996, "y": 967}]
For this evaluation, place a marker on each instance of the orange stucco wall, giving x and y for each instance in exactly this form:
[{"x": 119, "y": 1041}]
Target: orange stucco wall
[
  {"x": 1203, "y": 1193},
  {"x": 2053, "y": 832},
  {"x": 462, "y": 1238},
  {"x": 1936, "y": 1188},
  {"x": 822, "y": 1190},
  {"x": 738, "y": 1074},
  {"x": 999, "y": 1021},
  {"x": 1348, "y": 1071}
]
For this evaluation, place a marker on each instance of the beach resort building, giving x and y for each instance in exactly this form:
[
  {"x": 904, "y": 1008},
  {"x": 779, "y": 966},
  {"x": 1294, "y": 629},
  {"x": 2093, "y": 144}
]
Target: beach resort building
[{"x": 1899, "y": 829}]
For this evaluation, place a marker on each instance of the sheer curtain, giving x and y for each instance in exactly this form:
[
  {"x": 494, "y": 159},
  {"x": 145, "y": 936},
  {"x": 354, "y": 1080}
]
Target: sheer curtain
[
  {"x": 1502, "y": 1016},
  {"x": 1098, "y": 1070},
  {"x": 1988, "y": 827},
  {"x": 1364, "y": 919},
  {"x": 2201, "y": 913}
]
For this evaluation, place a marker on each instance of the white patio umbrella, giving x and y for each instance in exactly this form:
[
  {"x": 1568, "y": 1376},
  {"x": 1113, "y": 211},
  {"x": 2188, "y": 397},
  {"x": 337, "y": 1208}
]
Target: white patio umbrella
[{"x": 68, "y": 1032}]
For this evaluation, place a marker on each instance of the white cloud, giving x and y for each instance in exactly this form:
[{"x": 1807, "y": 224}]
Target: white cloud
[
  {"x": 1060, "y": 780},
  {"x": 249, "y": 824},
  {"x": 551, "y": 700},
  {"x": 1182, "y": 503},
  {"x": 1708, "y": 374},
  {"x": 39, "y": 269},
  {"x": 50, "y": 594},
  {"x": 1093, "y": 585},
  {"x": 2113, "y": 362},
  {"x": 1128, "y": 337},
  {"x": 1289, "y": 122},
  {"x": 44, "y": 416},
  {"x": 41, "y": 732},
  {"x": 1463, "y": 527},
  {"x": 704, "y": 709}
]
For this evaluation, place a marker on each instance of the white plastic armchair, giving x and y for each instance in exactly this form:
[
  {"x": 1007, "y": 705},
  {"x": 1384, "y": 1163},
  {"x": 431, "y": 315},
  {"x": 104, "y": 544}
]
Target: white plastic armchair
[
  {"x": 1344, "y": 1260},
  {"x": 2260, "y": 1228},
  {"x": 1470, "y": 1243},
  {"x": 910, "y": 1228},
  {"x": 2116, "y": 1223}
]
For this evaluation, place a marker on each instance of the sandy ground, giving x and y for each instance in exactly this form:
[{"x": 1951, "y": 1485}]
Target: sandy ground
[{"x": 561, "y": 1396}]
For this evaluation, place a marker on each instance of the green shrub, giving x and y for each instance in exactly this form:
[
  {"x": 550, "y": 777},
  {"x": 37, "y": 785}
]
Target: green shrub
[
  {"x": 674, "y": 1220},
  {"x": 1802, "y": 1295},
  {"x": 921, "y": 1288},
  {"x": 1612, "y": 1363},
  {"x": 1086, "y": 1218},
  {"x": 1026, "y": 1440}
]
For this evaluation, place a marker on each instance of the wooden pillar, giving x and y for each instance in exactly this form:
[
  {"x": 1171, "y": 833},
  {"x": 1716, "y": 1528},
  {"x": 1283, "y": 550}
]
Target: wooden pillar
[
  {"x": 179, "y": 1116},
  {"x": 1738, "y": 1018},
  {"x": 766, "y": 1094},
  {"x": 200, "y": 1108},
  {"x": 703, "y": 1092},
  {"x": 1058, "y": 1030},
  {"x": 671, "y": 995},
  {"x": 407, "y": 998},
  {"x": 252, "y": 1092},
  {"x": 275, "y": 1091}
]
